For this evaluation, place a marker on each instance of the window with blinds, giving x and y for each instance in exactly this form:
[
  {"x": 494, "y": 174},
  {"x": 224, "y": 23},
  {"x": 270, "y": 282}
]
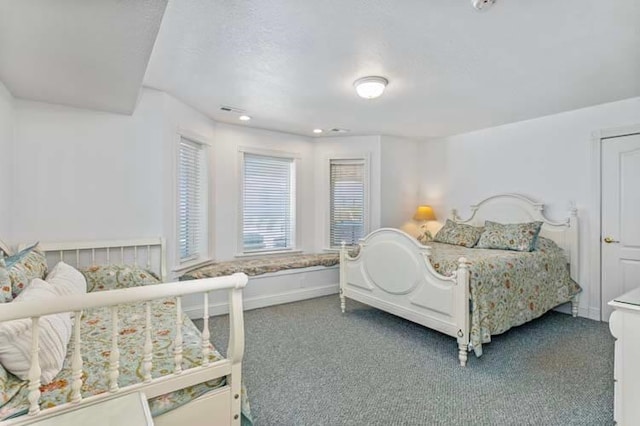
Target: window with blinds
[
  {"x": 347, "y": 210},
  {"x": 268, "y": 203},
  {"x": 192, "y": 201}
]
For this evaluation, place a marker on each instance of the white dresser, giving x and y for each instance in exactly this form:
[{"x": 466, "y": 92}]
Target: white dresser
[{"x": 625, "y": 327}]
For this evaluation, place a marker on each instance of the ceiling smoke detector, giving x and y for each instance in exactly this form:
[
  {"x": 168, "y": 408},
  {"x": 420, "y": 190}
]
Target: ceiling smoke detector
[{"x": 482, "y": 4}]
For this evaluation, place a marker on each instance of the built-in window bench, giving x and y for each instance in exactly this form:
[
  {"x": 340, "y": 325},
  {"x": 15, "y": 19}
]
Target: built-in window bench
[{"x": 272, "y": 280}]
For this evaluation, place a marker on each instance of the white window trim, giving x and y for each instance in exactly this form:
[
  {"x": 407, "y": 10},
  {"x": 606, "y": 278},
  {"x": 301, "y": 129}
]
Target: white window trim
[
  {"x": 295, "y": 157},
  {"x": 207, "y": 254},
  {"x": 326, "y": 225}
]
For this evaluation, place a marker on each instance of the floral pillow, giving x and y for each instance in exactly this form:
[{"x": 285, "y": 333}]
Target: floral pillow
[
  {"x": 5, "y": 284},
  {"x": 111, "y": 277},
  {"x": 458, "y": 234},
  {"x": 30, "y": 264},
  {"x": 13, "y": 259},
  {"x": 511, "y": 236}
]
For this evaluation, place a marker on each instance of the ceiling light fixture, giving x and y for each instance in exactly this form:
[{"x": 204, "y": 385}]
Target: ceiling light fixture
[
  {"x": 317, "y": 130},
  {"x": 244, "y": 118},
  {"x": 370, "y": 87}
]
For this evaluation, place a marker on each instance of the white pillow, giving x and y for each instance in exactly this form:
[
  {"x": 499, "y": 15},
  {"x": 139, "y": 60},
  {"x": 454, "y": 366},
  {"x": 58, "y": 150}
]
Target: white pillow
[
  {"x": 67, "y": 280},
  {"x": 55, "y": 332}
]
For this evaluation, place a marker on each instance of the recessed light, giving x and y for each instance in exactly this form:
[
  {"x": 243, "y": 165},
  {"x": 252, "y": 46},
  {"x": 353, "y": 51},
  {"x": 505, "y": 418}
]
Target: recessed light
[
  {"x": 317, "y": 130},
  {"x": 370, "y": 87},
  {"x": 244, "y": 118},
  {"x": 338, "y": 130}
]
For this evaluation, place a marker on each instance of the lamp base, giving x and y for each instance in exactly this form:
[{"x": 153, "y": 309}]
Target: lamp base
[{"x": 425, "y": 235}]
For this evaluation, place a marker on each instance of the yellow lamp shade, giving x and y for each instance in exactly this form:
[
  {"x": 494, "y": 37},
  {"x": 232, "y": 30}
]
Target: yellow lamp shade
[{"x": 424, "y": 213}]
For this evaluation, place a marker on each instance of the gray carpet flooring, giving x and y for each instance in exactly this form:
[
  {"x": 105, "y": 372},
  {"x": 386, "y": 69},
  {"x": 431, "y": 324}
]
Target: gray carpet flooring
[{"x": 307, "y": 364}]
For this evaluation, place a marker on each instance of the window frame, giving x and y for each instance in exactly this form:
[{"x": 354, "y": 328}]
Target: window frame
[
  {"x": 365, "y": 158},
  {"x": 295, "y": 232},
  {"x": 204, "y": 253}
]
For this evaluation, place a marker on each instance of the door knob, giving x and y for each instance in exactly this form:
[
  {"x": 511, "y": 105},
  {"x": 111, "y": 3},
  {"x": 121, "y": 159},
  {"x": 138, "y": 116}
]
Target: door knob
[{"x": 610, "y": 240}]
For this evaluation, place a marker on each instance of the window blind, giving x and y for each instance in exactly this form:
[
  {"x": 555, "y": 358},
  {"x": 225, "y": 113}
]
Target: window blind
[
  {"x": 191, "y": 199},
  {"x": 268, "y": 208},
  {"x": 347, "y": 217}
]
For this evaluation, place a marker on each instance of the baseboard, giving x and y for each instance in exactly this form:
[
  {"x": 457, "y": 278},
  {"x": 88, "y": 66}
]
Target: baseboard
[
  {"x": 593, "y": 313},
  {"x": 584, "y": 312},
  {"x": 266, "y": 300}
]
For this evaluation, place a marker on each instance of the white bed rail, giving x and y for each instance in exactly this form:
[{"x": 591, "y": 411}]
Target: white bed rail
[
  {"x": 152, "y": 387},
  {"x": 149, "y": 253}
]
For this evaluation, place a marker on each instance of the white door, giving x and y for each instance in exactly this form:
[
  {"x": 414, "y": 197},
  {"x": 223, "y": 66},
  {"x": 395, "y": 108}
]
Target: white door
[{"x": 620, "y": 242}]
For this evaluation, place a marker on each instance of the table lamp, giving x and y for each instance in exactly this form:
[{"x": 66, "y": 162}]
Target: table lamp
[{"x": 424, "y": 214}]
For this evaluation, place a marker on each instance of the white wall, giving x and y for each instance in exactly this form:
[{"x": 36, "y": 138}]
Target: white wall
[
  {"x": 6, "y": 162},
  {"x": 399, "y": 182},
  {"x": 548, "y": 159},
  {"x": 86, "y": 174},
  {"x": 95, "y": 175}
]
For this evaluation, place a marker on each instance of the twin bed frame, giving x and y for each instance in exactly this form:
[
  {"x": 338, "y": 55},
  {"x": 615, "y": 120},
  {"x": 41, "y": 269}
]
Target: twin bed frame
[
  {"x": 218, "y": 407},
  {"x": 392, "y": 271}
]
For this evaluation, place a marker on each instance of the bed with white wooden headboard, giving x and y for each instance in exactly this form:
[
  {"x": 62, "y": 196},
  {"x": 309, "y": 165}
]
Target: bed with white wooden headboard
[
  {"x": 393, "y": 271},
  {"x": 148, "y": 253},
  {"x": 221, "y": 406}
]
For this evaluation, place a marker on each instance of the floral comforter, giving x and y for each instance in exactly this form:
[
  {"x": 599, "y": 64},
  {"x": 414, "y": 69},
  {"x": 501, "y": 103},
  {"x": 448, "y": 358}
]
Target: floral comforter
[
  {"x": 508, "y": 288},
  {"x": 96, "y": 328}
]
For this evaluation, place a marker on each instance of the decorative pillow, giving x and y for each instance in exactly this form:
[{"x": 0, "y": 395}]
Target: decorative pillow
[
  {"x": 32, "y": 265},
  {"x": 458, "y": 234},
  {"x": 66, "y": 280},
  {"x": 55, "y": 332},
  {"x": 13, "y": 259},
  {"x": 5, "y": 283},
  {"x": 111, "y": 277},
  {"x": 511, "y": 236}
]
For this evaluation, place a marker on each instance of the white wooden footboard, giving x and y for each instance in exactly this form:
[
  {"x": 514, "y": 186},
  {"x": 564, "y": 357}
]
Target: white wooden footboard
[
  {"x": 152, "y": 387},
  {"x": 392, "y": 272}
]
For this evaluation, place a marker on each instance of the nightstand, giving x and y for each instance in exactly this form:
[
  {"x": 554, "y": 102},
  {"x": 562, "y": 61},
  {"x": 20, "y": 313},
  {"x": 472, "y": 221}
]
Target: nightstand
[
  {"x": 625, "y": 327},
  {"x": 129, "y": 409}
]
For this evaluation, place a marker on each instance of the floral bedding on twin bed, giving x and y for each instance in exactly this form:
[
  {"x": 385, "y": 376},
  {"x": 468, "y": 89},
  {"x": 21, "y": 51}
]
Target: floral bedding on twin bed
[
  {"x": 96, "y": 328},
  {"x": 508, "y": 288}
]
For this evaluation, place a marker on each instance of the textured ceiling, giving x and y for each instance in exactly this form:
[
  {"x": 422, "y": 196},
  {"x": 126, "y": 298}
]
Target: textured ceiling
[
  {"x": 82, "y": 53},
  {"x": 291, "y": 64},
  {"x": 452, "y": 69}
]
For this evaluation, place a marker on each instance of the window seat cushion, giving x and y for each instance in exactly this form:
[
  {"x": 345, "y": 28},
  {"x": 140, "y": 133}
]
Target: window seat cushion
[{"x": 262, "y": 265}]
